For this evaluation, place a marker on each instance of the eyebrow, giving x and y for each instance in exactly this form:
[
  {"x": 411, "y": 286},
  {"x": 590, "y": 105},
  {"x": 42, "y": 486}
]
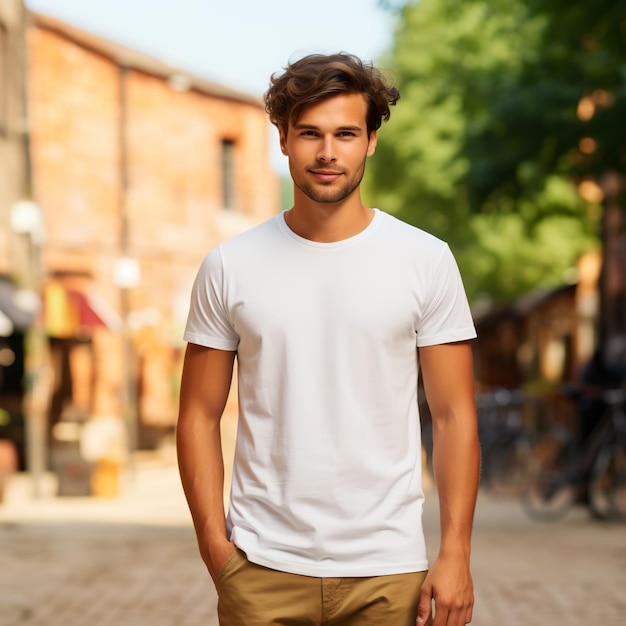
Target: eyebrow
[{"x": 313, "y": 127}]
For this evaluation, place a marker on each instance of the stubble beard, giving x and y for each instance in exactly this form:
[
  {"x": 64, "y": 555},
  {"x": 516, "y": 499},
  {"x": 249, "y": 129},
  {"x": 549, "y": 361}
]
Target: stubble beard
[{"x": 329, "y": 193}]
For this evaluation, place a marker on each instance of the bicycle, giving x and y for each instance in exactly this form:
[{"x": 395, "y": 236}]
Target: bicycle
[
  {"x": 505, "y": 444},
  {"x": 563, "y": 470},
  {"x": 607, "y": 484}
]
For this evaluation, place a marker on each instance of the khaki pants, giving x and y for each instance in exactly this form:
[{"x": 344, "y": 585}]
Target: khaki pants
[{"x": 252, "y": 595}]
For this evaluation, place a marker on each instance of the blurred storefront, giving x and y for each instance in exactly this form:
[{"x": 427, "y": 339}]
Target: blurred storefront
[
  {"x": 543, "y": 339},
  {"x": 541, "y": 342}
]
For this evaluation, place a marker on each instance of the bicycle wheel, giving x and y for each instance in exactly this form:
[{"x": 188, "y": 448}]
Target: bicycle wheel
[
  {"x": 509, "y": 471},
  {"x": 607, "y": 485},
  {"x": 551, "y": 486}
]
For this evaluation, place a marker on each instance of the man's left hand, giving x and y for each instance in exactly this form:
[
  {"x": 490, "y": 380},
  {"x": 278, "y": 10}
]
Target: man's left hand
[{"x": 449, "y": 584}]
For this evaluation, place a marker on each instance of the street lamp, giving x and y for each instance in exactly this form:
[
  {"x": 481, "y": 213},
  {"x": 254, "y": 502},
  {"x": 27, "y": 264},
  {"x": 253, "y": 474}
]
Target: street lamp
[
  {"x": 126, "y": 273},
  {"x": 26, "y": 218},
  {"x": 126, "y": 276}
]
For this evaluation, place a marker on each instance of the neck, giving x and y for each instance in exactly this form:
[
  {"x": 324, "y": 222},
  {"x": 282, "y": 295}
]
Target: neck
[{"x": 328, "y": 222}]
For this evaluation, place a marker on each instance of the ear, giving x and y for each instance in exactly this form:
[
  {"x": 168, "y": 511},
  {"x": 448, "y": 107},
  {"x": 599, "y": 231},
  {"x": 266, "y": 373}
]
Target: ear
[
  {"x": 371, "y": 147},
  {"x": 282, "y": 135}
]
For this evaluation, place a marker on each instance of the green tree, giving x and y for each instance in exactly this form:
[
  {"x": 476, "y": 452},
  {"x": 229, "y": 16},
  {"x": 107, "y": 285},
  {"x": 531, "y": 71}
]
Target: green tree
[
  {"x": 563, "y": 112},
  {"x": 447, "y": 162}
]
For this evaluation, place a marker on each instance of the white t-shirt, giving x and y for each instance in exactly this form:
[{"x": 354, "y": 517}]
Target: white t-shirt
[{"x": 327, "y": 476}]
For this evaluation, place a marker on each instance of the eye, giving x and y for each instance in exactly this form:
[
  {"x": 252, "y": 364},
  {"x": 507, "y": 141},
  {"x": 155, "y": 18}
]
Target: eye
[
  {"x": 308, "y": 133},
  {"x": 346, "y": 133}
]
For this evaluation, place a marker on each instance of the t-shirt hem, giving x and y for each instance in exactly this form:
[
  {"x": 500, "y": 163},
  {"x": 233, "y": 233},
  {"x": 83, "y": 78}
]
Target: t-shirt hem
[
  {"x": 351, "y": 570},
  {"x": 210, "y": 342},
  {"x": 463, "y": 334}
]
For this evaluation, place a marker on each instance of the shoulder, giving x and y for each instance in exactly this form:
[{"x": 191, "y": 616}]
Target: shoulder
[
  {"x": 404, "y": 229},
  {"x": 242, "y": 245},
  {"x": 418, "y": 242},
  {"x": 263, "y": 233}
]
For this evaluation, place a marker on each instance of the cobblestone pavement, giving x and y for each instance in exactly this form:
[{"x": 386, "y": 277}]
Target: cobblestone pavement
[{"x": 132, "y": 561}]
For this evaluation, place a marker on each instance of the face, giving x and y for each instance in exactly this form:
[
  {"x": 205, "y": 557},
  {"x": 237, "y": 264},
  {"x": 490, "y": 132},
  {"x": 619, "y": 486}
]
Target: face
[{"x": 327, "y": 148}]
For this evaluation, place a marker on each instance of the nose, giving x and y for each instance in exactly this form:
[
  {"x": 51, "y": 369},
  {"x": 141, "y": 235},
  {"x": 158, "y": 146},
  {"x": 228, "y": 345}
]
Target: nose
[{"x": 327, "y": 152}]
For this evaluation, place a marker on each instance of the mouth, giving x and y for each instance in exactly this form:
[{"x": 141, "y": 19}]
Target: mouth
[{"x": 326, "y": 176}]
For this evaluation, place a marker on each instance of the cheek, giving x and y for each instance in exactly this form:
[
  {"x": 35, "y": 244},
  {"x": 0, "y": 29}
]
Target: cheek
[{"x": 298, "y": 156}]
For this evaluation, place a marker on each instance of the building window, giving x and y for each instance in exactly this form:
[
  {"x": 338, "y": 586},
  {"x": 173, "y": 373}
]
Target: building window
[
  {"x": 4, "y": 78},
  {"x": 228, "y": 174}
]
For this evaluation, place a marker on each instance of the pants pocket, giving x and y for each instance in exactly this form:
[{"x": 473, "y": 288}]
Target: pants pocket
[{"x": 228, "y": 566}]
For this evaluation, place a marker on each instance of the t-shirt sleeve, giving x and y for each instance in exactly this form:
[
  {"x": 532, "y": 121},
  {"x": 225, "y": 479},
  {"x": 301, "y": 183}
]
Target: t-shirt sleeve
[
  {"x": 208, "y": 323},
  {"x": 446, "y": 316}
]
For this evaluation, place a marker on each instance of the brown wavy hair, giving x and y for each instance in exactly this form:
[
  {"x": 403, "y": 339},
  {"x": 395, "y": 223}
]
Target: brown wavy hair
[{"x": 316, "y": 77}]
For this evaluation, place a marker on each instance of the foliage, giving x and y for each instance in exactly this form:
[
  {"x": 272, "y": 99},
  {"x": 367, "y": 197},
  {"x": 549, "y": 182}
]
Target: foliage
[
  {"x": 564, "y": 111},
  {"x": 483, "y": 148}
]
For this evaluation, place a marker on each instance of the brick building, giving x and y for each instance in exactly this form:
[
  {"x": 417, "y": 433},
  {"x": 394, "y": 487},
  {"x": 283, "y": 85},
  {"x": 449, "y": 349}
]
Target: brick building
[{"x": 136, "y": 167}]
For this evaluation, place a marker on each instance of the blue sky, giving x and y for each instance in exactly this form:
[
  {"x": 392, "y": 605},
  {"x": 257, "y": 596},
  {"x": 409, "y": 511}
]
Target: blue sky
[{"x": 236, "y": 43}]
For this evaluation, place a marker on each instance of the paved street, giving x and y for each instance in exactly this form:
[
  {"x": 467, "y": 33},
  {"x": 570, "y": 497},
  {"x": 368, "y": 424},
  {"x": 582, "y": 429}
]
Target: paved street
[{"x": 132, "y": 561}]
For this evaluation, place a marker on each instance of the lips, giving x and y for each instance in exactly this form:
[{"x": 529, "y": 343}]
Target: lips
[{"x": 326, "y": 176}]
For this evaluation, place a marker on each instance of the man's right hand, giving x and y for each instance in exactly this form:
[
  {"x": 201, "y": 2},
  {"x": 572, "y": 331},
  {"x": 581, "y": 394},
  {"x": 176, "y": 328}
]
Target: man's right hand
[{"x": 216, "y": 555}]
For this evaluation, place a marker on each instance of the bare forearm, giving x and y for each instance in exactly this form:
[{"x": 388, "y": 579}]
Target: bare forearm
[
  {"x": 456, "y": 466},
  {"x": 201, "y": 469}
]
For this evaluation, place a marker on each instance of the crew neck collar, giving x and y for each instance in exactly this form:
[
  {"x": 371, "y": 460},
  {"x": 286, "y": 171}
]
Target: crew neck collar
[{"x": 331, "y": 244}]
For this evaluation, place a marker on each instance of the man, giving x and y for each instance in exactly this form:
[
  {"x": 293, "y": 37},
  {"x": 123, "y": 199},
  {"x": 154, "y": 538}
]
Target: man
[{"x": 329, "y": 308}]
